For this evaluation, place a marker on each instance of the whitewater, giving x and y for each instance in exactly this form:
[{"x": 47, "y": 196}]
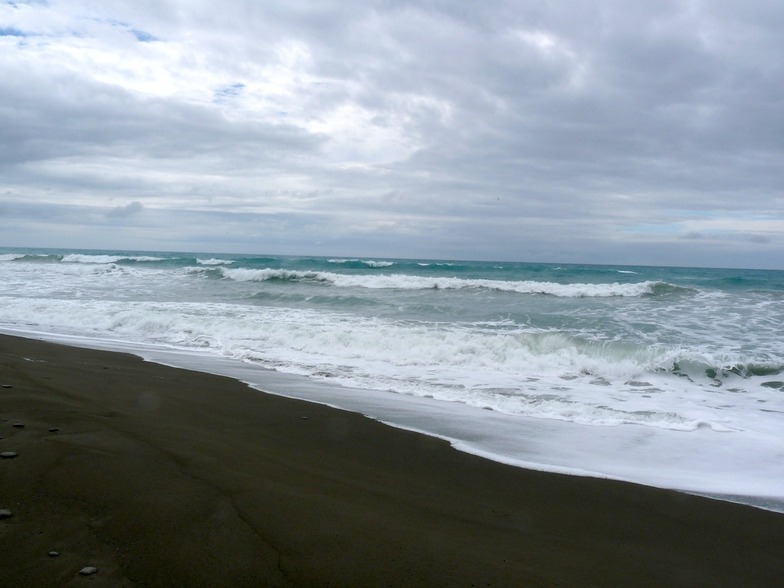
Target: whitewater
[{"x": 670, "y": 377}]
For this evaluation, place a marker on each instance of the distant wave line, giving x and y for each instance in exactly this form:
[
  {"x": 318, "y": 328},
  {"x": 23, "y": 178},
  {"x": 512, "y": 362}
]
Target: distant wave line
[{"x": 408, "y": 282}]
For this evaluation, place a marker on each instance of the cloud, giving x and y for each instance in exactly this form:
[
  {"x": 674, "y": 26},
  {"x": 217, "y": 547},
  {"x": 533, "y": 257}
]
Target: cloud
[
  {"x": 583, "y": 133},
  {"x": 131, "y": 209}
]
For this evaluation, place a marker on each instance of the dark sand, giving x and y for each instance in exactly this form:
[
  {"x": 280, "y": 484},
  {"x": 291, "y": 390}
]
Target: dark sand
[{"x": 164, "y": 477}]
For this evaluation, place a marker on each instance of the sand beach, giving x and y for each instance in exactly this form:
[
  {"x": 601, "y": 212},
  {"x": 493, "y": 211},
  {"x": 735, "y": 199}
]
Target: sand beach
[{"x": 156, "y": 476}]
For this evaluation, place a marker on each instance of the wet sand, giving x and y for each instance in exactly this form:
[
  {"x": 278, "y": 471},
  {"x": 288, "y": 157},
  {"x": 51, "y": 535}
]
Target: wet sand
[{"x": 164, "y": 477}]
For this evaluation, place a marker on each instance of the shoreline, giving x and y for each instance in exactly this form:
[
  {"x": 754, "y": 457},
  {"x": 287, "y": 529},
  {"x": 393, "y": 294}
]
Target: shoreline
[
  {"x": 418, "y": 416},
  {"x": 162, "y": 476}
]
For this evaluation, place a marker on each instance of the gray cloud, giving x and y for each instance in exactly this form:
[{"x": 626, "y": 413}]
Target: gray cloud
[
  {"x": 594, "y": 131},
  {"x": 133, "y": 208}
]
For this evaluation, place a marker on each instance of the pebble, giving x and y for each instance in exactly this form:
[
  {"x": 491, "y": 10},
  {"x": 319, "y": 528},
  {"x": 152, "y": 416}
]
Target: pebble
[
  {"x": 18, "y": 425},
  {"x": 88, "y": 571},
  {"x": 8, "y": 454},
  {"x": 6, "y": 385},
  {"x": 53, "y": 553},
  {"x": 53, "y": 430},
  {"x": 5, "y": 513}
]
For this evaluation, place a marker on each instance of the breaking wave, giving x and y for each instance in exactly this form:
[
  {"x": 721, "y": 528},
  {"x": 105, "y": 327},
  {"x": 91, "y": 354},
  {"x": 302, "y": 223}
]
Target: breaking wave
[{"x": 409, "y": 282}]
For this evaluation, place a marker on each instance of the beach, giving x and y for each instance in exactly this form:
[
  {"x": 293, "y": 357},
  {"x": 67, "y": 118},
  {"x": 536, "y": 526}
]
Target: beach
[
  {"x": 157, "y": 476},
  {"x": 616, "y": 372}
]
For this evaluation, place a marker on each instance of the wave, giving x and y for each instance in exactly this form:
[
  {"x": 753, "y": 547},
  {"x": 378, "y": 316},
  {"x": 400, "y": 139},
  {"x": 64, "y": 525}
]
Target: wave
[
  {"x": 362, "y": 262},
  {"x": 28, "y": 257},
  {"x": 409, "y": 282},
  {"x": 437, "y": 264},
  {"x": 12, "y": 256},
  {"x": 84, "y": 258},
  {"x": 695, "y": 367},
  {"x": 103, "y": 259},
  {"x": 496, "y": 365},
  {"x": 214, "y": 261}
]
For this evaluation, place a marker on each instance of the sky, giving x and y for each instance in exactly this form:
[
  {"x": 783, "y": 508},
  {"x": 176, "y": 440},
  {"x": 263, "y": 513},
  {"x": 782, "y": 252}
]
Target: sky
[{"x": 588, "y": 131}]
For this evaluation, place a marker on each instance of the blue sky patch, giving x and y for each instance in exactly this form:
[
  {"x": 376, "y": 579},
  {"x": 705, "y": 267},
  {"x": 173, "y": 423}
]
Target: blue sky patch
[
  {"x": 227, "y": 92},
  {"x": 143, "y": 36},
  {"x": 12, "y": 32}
]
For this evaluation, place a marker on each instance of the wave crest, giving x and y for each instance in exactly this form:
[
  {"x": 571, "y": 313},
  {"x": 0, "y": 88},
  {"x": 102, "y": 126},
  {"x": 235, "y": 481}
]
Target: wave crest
[
  {"x": 214, "y": 261},
  {"x": 103, "y": 259},
  {"x": 362, "y": 262},
  {"x": 408, "y": 282}
]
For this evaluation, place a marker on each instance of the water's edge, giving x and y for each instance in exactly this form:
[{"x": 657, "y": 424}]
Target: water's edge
[{"x": 455, "y": 423}]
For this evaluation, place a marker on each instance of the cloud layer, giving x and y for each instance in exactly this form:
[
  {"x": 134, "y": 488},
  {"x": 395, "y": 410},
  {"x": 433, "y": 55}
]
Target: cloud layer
[{"x": 591, "y": 131}]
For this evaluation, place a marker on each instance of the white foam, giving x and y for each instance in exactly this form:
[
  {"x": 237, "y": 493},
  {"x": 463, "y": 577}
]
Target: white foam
[
  {"x": 104, "y": 259},
  {"x": 537, "y": 374},
  {"x": 214, "y": 261},
  {"x": 371, "y": 263},
  {"x": 367, "y": 262},
  {"x": 408, "y": 282},
  {"x": 437, "y": 264}
]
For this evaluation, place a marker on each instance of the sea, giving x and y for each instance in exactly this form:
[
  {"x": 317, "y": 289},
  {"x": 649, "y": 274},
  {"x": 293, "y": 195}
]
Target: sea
[{"x": 664, "y": 376}]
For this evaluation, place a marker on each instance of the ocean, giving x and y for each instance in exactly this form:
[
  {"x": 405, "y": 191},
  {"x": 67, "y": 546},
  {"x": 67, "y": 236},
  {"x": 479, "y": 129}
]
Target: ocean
[{"x": 670, "y": 377}]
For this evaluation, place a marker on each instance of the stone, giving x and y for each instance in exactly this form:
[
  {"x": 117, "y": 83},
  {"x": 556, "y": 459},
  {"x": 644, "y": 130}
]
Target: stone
[
  {"x": 18, "y": 425},
  {"x": 8, "y": 454},
  {"x": 88, "y": 571},
  {"x": 5, "y": 513},
  {"x": 53, "y": 553},
  {"x": 6, "y": 385},
  {"x": 53, "y": 429}
]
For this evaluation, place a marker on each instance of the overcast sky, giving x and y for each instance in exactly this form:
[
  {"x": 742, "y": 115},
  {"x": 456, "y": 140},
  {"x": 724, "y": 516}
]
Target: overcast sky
[{"x": 600, "y": 131}]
